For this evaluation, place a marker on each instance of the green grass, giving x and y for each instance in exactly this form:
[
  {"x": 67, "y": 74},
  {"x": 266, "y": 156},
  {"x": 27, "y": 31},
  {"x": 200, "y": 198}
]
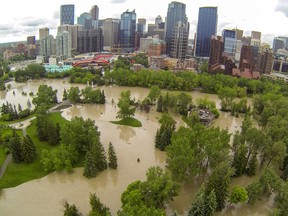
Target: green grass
[
  {"x": 129, "y": 121},
  {"x": 17, "y": 174},
  {"x": 2, "y": 155},
  {"x": 15, "y": 121}
]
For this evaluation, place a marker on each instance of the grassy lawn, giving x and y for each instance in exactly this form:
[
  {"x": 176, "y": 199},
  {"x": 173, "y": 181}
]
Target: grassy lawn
[
  {"x": 15, "y": 121},
  {"x": 2, "y": 155},
  {"x": 128, "y": 122},
  {"x": 19, "y": 173}
]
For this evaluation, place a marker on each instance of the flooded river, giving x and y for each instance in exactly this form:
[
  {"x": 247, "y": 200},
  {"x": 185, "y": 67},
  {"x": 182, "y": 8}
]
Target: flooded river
[{"x": 45, "y": 196}]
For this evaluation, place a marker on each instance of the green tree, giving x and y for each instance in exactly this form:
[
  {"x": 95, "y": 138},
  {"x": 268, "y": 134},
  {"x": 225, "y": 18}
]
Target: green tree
[
  {"x": 28, "y": 150},
  {"x": 15, "y": 147},
  {"x": 65, "y": 95},
  {"x": 219, "y": 181},
  {"x": 164, "y": 134},
  {"x": 90, "y": 168},
  {"x": 154, "y": 93},
  {"x": 74, "y": 94},
  {"x": 45, "y": 96},
  {"x": 112, "y": 158},
  {"x": 238, "y": 195},
  {"x": 97, "y": 208},
  {"x": 160, "y": 104},
  {"x": 150, "y": 195},
  {"x": 59, "y": 159},
  {"x": 70, "y": 210},
  {"x": 203, "y": 204},
  {"x": 254, "y": 191},
  {"x": 124, "y": 105}
]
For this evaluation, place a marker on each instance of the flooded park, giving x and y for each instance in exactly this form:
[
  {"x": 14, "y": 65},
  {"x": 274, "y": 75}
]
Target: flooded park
[{"x": 45, "y": 196}]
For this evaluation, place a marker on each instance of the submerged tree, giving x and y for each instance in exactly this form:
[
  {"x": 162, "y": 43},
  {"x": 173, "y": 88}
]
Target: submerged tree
[
  {"x": 164, "y": 134},
  {"x": 97, "y": 208},
  {"x": 124, "y": 105},
  {"x": 112, "y": 158},
  {"x": 70, "y": 210}
]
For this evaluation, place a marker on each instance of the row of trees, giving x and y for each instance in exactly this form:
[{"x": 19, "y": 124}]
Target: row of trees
[
  {"x": 10, "y": 112},
  {"x": 79, "y": 138},
  {"x": 32, "y": 71},
  {"x": 86, "y": 95},
  {"x": 97, "y": 208},
  {"x": 22, "y": 150}
]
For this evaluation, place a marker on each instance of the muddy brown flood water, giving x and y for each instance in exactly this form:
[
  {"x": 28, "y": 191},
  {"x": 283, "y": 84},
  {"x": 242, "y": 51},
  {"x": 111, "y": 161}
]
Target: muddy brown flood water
[{"x": 44, "y": 196}]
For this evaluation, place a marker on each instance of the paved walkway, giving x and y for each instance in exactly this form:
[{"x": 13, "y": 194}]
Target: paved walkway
[{"x": 5, "y": 164}]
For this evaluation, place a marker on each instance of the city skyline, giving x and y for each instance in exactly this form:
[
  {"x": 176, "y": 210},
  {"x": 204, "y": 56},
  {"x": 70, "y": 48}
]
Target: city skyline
[{"x": 23, "y": 18}]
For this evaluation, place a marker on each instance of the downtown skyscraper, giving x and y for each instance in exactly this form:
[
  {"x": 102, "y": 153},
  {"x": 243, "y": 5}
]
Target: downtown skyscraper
[
  {"x": 127, "y": 31},
  {"x": 206, "y": 27},
  {"x": 67, "y": 14},
  {"x": 176, "y": 12}
]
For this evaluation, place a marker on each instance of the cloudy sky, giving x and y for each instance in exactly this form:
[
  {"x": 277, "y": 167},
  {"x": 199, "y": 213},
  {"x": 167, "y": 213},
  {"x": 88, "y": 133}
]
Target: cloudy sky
[{"x": 19, "y": 19}]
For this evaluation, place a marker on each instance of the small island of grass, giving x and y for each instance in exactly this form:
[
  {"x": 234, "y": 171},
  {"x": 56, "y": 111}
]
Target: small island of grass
[{"x": 129, "y": 121}]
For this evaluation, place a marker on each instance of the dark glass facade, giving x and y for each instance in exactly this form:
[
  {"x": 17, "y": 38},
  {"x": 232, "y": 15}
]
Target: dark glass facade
[
  {"x": 229, "y": 38},
  {"x": 67, "y": 14},
  {"x": 176, "y": 12},
  {"x": 207, "y": 26},
  {"x": 127, "y": 31}
]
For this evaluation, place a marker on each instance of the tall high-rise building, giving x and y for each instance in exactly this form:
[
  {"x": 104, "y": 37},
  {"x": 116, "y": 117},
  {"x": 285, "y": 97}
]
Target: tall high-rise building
[
  {"x": 216, "y": 51},
  {"x": 90, "y": 40},
  {"x": 43, "y": 33},
  {"x": 179, "y": 42},
  {"x": 265, "y": 60},
  {"x": 127, "y": 31},
  {"x": 158, "y": 19},
  {"x": 239, "y": 33},
  {"x": 95, "y": 16},
  {"x": 73, "y": 31},
  {"x": 229, "y": 39},
  {"x": 63, "y": 45},
  {"x": 85, "y": 19},
  {"x": 47, "y": 47},
  {"x": 255, "y": 38},
  {"x": 248, "y": 58},
  {"x": 141, "y": 26},
  {"x": 111, "y": 32},
  {"x": 278, "y": 43},
  {"x": 67, "y": 14},
  {"x": 31, "y": 40},
  {"x": 176, "y": 12},
  {"x": 94, "y": 12},
  {"x": 206, "y": 27}
]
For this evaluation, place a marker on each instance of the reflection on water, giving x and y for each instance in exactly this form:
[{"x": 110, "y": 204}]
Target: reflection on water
[
  {"x": 44, "y": 196},
  {"x": 126, "y": 133}
]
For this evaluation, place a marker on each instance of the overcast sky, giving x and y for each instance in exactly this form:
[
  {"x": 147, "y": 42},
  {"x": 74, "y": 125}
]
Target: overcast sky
[{"x": 19, "y": 19}]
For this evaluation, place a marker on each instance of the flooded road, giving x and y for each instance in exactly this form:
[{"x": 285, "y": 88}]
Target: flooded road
[{"x": 45, "y": 196}]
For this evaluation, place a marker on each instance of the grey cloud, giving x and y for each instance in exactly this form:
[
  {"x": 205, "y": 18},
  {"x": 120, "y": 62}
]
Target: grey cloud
[
  {"x": 118, "y": 1},
  {"x": 282, "y": 7},
  {"x": 28, "y": 21},
  {"x": 4, "y": 27}
]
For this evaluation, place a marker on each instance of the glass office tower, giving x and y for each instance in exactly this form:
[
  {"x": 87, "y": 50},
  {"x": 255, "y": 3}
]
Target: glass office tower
[
  {"x": 207, "y": 26},
  {"x": 67, "y": 14},
  {"x": 176, "y": 12},
  {"x": 229, "y": 39},
  {"x": 127, "y": 31}
]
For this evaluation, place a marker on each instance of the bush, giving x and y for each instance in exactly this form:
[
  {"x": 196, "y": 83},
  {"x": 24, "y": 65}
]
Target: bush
[{"x": 24, "y": 113}]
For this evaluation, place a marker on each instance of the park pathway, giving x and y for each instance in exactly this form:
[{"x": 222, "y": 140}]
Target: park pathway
[
  {"x": 23, "y": 125},
  {"x": 5, "y": 164}
]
